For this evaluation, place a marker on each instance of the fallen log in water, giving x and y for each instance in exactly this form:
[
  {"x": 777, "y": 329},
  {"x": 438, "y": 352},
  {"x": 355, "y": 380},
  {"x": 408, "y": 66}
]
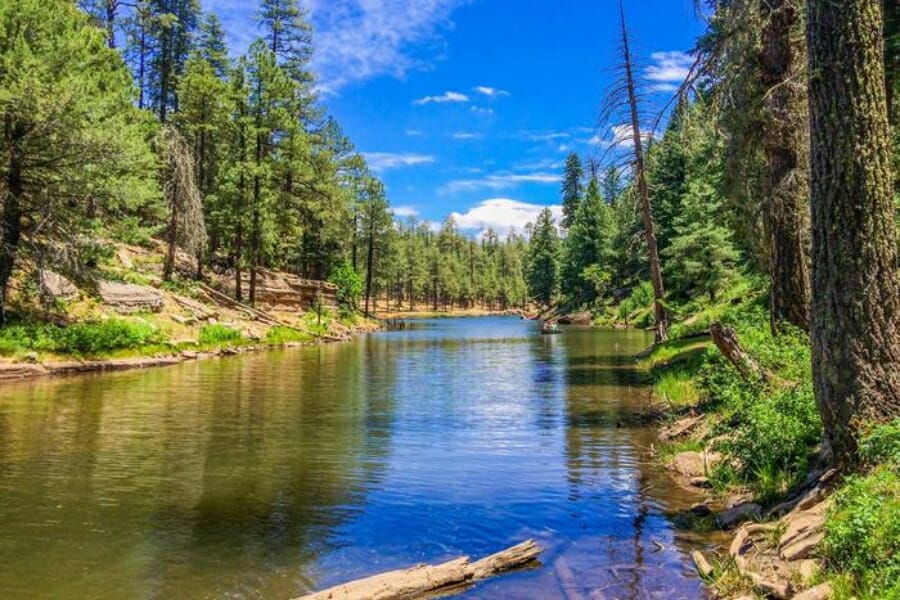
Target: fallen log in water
[{"x": 424, "y": 580}]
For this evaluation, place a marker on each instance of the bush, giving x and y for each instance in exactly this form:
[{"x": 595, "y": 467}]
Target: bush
[
  {"x": 211, "y": 335},
  {"x": 349, "y": 288},
  {"x": 882, "y": 445},
  {"x": 862, "y": 534},
  {"x": 89, "y": 338}
]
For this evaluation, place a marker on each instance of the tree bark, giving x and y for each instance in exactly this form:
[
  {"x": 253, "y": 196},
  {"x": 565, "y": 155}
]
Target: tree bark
[
  {"x": 659, "y": 310},
  {"x": 785, "y": 134},
  {"x": 11, "y": 232},
  {"x": 856, "y": 296}
]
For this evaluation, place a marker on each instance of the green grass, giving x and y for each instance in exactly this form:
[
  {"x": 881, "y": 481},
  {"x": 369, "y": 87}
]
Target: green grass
[
  {"x": 676, "y": 389},
  {"x": 284, "y": 335},
  {"x": 218, "y": 335},
  {"x": 90, "y": 338}
]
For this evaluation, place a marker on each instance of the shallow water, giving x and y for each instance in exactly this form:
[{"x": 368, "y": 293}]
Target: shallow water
[{"x": 269, "y": 475}]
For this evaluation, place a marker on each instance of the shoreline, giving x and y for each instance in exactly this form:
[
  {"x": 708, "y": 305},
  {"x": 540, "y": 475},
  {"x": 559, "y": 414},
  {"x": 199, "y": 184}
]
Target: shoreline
[{"x": 12, "y": 372}]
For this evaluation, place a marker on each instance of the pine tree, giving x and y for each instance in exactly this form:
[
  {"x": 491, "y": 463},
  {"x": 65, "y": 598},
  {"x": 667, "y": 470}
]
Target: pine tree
[
  {"x": 572, "y": 189},
  {"x": 57, "y": 163},
  {"x": 211, "y": 45},
  {"x": 856, "y": 292},
  {"x": 543, "y": 262},
  {"x": 589, "y": 265},
  {"x": 172, "y": 24},
  {"x": 701, "y": 256}
]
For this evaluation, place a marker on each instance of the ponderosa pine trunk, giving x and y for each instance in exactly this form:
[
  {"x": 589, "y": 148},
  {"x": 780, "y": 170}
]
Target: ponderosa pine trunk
[
  {"x": 785, "y": 136},
  {"x": 11, "y": 225},
  {"x": 640, "y": 175},
  {"x": 856, "y": 296}
]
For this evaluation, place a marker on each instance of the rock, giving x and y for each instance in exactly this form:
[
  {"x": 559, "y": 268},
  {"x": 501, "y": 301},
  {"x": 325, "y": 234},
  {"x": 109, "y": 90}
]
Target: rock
[
  {"x": 31, "y": 357},
  {"x": 700, "y": 482},
  {"x": 805, "y": 531},
  {"x": 54, "y": 287},
  {"x": 820, "y": 592},
  {"x": 124, "y": 257},
  {"x": 184, "y": 320},
  {"x": 694, "y": 464},
  {"x": 129, "y": 297},
  {"x": 775, "y": 589},
  {"x": 806, "y": 570},
  {"x": 20, "y": 371},
  {"x": 703, "y": 567},
  {"x": 742, "y": 512},
  {"x": 189, "y": 355},
  {"x": 583, "y": 318}
]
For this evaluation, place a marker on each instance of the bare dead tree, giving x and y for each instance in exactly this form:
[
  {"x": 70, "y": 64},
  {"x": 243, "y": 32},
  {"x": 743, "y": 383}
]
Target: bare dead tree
[
  {"x": 622, "y": 104},
  {"x": 187, "y": 228}
]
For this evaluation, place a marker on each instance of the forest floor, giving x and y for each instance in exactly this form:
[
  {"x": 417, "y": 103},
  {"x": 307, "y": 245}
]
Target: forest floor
[
  {"x": 127, "y": 317},
  {"x": 753, "y": 444}
]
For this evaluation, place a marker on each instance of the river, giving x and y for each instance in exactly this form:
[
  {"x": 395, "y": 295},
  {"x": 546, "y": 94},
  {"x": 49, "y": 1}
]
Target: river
[{"x": 269, "y": 475}]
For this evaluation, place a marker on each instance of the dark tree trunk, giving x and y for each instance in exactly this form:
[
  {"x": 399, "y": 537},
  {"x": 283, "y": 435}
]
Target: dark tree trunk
[
  {"x": 11, "y": 232},
  {"x": 785, "y": 134},
  {"x": 644, "y": 192},
  {"x": 172, "y": 237},
  {"x": 112, "y": 7},
  {"x": 856, "y": 296},
  {"x": 370, "y": 259}
]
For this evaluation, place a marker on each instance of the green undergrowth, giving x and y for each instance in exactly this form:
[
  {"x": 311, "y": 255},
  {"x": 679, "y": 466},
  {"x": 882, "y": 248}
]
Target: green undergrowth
[
  {"x": 88, "y": 339},
  {"x": 769, "y": 433},
  {"x": 862, "y": 532},
  {"x": 286, "y": 335},
  {"x": 219, "y": 335}
]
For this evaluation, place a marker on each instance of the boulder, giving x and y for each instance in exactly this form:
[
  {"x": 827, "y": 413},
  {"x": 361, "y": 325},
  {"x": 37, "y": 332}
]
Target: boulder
[
  {"x": 582, "y": 318},
  {"x": 54, "y": 287},
  {"x": 820, "y": 592},
  {"x": 694, "y": 464},
  {"x": 804, "y": 533},
  {"x": 129, "y": 297}
]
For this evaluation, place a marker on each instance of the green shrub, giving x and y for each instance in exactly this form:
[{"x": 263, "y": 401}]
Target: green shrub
[
  {"x": 882, "y": 445},
  {"x": 862, "y": 534},
  {"x": 350, "y": 288},
  {"x": 211, "y": 335},
  {"x": 88, "y": 338}
]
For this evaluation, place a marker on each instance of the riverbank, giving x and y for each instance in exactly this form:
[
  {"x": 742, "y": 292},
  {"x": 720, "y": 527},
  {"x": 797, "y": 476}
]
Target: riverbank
[
  {"x": 445, "y": 314},
  {"x": 748, "y": 433},
  {"x": 125, "y": 316}
]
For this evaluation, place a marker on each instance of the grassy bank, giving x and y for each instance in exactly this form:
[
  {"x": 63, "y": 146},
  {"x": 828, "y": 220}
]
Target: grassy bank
[{"x": 769, "y": 435}]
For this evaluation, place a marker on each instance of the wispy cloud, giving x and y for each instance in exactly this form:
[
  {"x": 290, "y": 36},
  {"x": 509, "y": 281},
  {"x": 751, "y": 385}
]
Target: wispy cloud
[
  {"x": 546, "y": 136},
  {"x": 490, "y": 92},
  {"x": 466, "y": 135},
  {"x": 502, "y": 215},
  {"x": 669, "y": 70},
  {"x": 405, "y": 211},
  {"x": 414, "y": 132},
  {"x": 442, "y": 99},
  {"x": 499, "y": 181},
  {"x": 382, "y": 161},
  {"x": 482, "y": 111},
  {"x": 356, "y": 40},
  {"x": 619, "y": 135}
]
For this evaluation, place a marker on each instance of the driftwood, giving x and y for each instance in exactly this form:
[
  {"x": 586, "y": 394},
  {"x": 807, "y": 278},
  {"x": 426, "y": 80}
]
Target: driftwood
[
  {"x": 424, "y": 581},
  {"x": 726, "y": 341}
]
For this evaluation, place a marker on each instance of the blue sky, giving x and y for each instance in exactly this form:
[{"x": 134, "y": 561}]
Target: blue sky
[{"x": 470, "y": 106}]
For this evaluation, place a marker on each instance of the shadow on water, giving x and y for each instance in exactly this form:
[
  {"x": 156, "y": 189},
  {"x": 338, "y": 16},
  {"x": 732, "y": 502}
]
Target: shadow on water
[{"x": 269, "y": 475}]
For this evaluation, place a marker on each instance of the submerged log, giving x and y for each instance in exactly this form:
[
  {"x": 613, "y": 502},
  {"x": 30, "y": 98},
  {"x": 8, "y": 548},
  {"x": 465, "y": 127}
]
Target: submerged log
[{"x": 424, "y": 580}]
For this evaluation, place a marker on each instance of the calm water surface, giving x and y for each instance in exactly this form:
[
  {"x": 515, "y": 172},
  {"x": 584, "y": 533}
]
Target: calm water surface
[{"x": 269, "y": 475}]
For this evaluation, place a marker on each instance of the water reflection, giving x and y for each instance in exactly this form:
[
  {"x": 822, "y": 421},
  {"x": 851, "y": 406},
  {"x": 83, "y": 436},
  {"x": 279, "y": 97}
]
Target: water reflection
[{"x": 266, "y": 476}]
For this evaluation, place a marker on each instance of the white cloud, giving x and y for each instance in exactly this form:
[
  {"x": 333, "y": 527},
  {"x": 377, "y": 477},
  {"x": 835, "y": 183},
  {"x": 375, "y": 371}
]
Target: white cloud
[
  {"x": 502, "y": 215},
  {"x": 669, "y": 70},
  {"x": 405, "y": 211},
  {"x": 500, "y": 181},
  {"x": 490, "y": 92},
  {"x": 563, "y": 148},
  {"x": 619, "y": 135},
  {"x": 550, "y": 136},
  {"x": 465, "y": 135},
  {"x": 382, "y": 161},
  {"x": 356, "y": 40},
  {"x": 482, "y": 111},
  {"x": 414, "y": 132},
  {"x": 442, "y": 99},
  {"x": 361, "y": 39}
]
